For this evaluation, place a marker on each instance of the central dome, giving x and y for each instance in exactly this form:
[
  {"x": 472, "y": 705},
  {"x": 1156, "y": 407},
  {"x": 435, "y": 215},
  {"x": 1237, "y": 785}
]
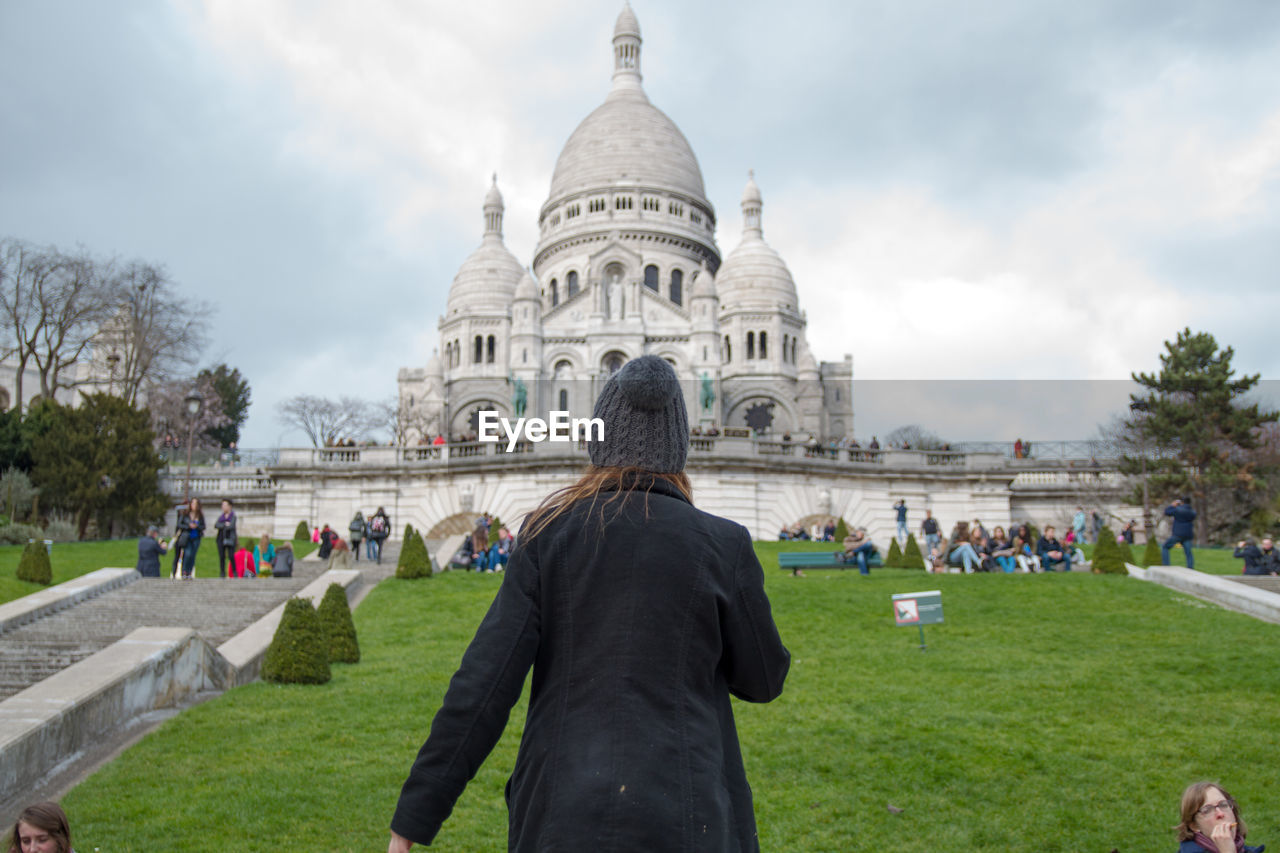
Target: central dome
[{"x": 627, "y": 140}]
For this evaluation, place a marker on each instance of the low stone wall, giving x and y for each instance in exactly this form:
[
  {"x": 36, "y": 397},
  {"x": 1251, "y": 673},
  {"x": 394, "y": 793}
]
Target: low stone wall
[
  {"x": 43, "y": 602},
  {"x": 52, "y": 722},
  {"x": 1233, "y": 595}
]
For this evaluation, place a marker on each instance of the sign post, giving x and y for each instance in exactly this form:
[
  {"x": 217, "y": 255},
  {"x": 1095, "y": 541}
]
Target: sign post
[{"x": 919, "y": 609}]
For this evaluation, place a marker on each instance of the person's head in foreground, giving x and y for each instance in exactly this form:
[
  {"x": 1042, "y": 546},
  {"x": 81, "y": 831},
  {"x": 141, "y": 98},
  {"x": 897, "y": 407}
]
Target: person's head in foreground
[
  {"x": 41, "y": 828},
  {"x": 1210, "y": 821},
  {"x": 640, "y": 615}
]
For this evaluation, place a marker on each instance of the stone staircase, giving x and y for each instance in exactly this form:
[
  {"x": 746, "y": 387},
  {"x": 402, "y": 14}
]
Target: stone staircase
[{"x": 216, "y": 609}]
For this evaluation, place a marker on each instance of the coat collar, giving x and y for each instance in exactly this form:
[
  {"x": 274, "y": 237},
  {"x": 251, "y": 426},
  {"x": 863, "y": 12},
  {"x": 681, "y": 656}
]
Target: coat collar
[{"x": 643, "y": 482}]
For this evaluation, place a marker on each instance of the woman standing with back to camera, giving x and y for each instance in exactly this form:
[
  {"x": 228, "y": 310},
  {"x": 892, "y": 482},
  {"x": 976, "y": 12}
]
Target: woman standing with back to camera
[{"x": 639, "y": 615}]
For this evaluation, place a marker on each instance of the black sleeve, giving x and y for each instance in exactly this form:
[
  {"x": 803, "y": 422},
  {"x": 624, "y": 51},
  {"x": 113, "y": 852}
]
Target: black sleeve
[
  {"x": 476, "y": 705},
  {"x": 755, "y": 661}
]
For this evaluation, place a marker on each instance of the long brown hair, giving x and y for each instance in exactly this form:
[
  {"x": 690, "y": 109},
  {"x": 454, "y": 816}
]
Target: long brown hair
[
  {"x": 620, "y": 481},
  {"x": 1192, "y": 799},
  {"x": 47, "y": 816}
]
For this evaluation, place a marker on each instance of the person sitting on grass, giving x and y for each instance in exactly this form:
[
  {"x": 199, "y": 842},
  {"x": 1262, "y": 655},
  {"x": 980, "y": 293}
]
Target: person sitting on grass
[
  {"x": 962, "y": 552},
  {"x": 1028, "y": 559},
  {"x": 283, "y": 567},
  {"x": 264, "y": 555},
  {"x": 242, "y": 563},
  {"x": 500, "y": 551},
  {"x": 480, "y": 548},
  {"x": 1210, "y": 822},
  {"x": 1052, "y": 552},
  {"x": 858, "y": 549},
  {"x": 41, "y": 828},
  {"x": 1001, "y": 549}
]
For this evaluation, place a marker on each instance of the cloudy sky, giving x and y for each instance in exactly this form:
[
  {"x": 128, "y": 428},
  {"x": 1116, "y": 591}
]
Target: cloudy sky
[{"x": 963, "y": 190}]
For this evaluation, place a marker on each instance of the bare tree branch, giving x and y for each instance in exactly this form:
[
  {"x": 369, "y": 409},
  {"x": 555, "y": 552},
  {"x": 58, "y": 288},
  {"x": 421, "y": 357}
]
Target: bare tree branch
[{"x": 325, "y": 421}]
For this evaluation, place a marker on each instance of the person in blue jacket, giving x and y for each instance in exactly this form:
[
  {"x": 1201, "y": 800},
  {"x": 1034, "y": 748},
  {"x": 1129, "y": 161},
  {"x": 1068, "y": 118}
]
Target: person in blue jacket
[
  {"x": 1183, "y": 530},
  {"x": 1210, "y": 822}
]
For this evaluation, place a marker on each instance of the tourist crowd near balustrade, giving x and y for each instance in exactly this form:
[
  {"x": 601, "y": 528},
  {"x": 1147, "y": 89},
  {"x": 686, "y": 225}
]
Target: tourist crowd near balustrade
[{"x": 764, "y": 484}]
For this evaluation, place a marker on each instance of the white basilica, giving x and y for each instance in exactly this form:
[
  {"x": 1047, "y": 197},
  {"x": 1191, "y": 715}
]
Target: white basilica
[{"x": 627, "y": 264}]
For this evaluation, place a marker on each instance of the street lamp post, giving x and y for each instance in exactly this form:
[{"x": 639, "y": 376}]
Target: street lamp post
[
  {"x": 113, "y": 360},
  {"x": 194, "y": 401},
  {"x": 1140, "y": 409}
]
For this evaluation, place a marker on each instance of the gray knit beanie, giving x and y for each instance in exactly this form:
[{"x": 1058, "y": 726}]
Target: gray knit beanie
[{"x": 645, "y": 423}]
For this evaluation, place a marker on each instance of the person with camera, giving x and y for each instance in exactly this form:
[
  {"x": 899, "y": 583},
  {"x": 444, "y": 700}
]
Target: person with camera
[
  {"x": 640, "y": 615},
  {"x": 1183, "y": 531}
]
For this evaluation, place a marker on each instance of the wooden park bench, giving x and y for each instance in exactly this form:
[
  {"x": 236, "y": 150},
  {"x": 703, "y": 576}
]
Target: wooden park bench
[{"x": 792, "y": 560}]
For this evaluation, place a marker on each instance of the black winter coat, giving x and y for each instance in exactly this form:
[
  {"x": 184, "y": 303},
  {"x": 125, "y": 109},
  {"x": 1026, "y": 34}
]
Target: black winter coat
[{"x": 637, "y": 638}]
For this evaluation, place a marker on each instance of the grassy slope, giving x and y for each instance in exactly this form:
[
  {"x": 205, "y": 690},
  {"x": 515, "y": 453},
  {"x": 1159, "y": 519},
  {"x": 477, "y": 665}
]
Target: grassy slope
[
  {"x": 1051, "y": 712},
  {"x": 73, "y": 559}
]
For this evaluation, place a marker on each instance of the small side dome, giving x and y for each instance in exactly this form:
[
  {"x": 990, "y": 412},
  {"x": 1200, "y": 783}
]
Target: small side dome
[
  {"x": 704, "y": 285},
  {"x": 434, "y": 368},
  {"x": 527, "y": 289}
]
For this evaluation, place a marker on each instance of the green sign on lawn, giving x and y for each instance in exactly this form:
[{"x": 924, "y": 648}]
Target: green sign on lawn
[{"x": 917, "y": 608}]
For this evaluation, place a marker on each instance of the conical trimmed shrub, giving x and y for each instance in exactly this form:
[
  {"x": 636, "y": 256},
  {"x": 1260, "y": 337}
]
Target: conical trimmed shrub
[
  {"x": 303, "y": 533},
  {"x": 1126, "y": 552},
  {"x": 911, "y": 556},
  {"x": 494, "y": 526},
  {"x": 1151, "y": 554},
  {"x": 893, "y": 560},
  {"x": 415, "y": 562},
  {"x": 299, "y": 651},
  {"x": 408, "y": 532},
  {"x": 34, "y": 567},
  {"x": 335, "y": 616},
  {"x": 842, "y": 530},
  {"x": 1107, "y": 558}
]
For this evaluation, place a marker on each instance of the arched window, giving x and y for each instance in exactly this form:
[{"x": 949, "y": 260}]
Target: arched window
[
  {"x": 571, "y": 282},
  {"x": 524, "y": 356},
  {"x": 764, "y": 345},
  {"x": 562, "y": 369},
  {"x": 555, "y": 293},
  {"x": 677, "y": 285},
  {"x": 613, "y": 362},
  {"x": 489, "y": 358},
  {"x": 793, "y": 350},
  {"x": 786, "y": 340},
  {"x": 728, "y": 350},
  {"x": 564, "y": 400},
  {"x": 479, "y": 350},
  {"x": 651, "y": 278},
  {"x": 751, "y": 345}
]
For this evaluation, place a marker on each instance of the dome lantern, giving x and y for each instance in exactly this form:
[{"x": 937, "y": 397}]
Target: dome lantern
[
  {"x": 493, "y": 209},
  {"x": 752, "y": 204},
  {"x": 626, "y": 50}
]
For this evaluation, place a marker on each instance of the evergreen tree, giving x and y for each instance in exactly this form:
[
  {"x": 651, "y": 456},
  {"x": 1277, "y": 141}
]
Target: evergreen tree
[
  {"x": 97, "y": 459},
  {"x": 34, "y": 567},
  {"x": 1202, "y": 435},
  {"x": 302, "y": 533},
  {"x": 233, "y": 394},
  {"x": 893, "y": 560},
  {"x": 912, "y": 558},
  {"x": 299, "y": 651},
  {"x": 1151, "y": 554},
  {"x": 1107, "y": 558},
  {"x": 415, "y": 561},
  {"x": 335, "y": 616},
  {"x": 842, "y": 530},
  {"x": 495, "y": 524}
]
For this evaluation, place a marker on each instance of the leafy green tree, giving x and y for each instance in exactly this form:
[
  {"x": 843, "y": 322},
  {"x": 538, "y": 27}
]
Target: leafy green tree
[
  {"x": 1202, "y": 434},
  {"x": 232, "y": 390},
  {"x": 17, "y": 494},
  {"x": 97, "y": 460}
]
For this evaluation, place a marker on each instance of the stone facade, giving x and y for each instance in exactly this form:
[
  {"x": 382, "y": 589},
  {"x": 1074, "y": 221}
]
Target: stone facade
[{"x": 626, "y": 265}]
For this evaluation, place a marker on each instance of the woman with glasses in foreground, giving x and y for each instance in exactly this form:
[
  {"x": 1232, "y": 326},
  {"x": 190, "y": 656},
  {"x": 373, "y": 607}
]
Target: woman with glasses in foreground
[{"x": 1211, "y": 822}]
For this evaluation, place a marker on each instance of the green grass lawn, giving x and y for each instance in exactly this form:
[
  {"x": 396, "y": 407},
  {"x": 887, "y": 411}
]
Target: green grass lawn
[
  {"x": 1050, "y": 713},
  {"x": 73, "y": 559},
  {"x": 1210, "y": 560}
]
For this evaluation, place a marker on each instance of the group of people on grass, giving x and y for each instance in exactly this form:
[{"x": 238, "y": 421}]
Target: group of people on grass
[
  {"x": 236, "y": 557},
  {"x": 482, "y": 551}
]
